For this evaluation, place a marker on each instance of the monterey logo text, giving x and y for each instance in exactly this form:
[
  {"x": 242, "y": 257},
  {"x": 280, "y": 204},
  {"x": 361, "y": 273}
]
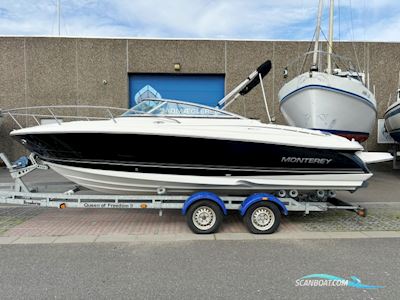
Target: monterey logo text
[{"x": 306, "y": 160}]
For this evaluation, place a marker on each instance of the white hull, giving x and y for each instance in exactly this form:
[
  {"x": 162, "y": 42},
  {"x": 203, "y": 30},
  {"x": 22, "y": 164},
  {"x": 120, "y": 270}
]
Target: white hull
[
  {"x": 392, "y": 121},
  {"x": 222, "y": 129},
  {"x": 330, "y": 103},
  {"x": 117, "y": 182}
]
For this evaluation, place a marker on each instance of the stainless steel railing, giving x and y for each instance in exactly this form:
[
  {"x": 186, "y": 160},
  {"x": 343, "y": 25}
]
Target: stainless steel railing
[
  {"x": 298, "y": 65},
  {"x": 38, "y": 113}
]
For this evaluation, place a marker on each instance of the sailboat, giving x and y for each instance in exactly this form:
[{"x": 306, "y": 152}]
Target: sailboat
[
  {"x": 331, "y": 100},
  {"x": 392, "y": 117}
]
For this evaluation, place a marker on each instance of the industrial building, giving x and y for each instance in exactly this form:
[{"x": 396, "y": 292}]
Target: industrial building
[{"x": 115, "y": 72}]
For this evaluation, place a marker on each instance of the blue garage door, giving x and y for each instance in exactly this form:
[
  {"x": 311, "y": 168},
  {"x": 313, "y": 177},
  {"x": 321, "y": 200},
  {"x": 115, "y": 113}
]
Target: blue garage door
[{"x": 203, "y": 89}]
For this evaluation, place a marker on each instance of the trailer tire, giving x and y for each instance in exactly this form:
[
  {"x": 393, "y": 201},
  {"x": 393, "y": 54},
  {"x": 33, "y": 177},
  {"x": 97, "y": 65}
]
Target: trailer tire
[
  {"x": 262, "y": 218},
  {"x": 204, "y": 217}
]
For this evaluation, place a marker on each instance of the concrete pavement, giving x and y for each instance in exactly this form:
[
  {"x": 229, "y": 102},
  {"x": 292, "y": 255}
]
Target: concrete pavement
[
  {"x": 250, "y": 269},
  {"x": 140, "y": 238}
]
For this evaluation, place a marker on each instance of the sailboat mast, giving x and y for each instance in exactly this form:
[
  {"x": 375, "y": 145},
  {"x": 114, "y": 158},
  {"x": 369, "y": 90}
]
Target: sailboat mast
[
  {"x": 330, "y": 43},
  {"x": 317, "y": 32},
  {"x": 398, "y": 90},
  {"x": 59, "y": 16}
]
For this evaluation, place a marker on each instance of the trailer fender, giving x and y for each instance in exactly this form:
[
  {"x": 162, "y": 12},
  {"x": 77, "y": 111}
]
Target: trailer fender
[
  {"x": 262, "y": 197},
  {"x": 203, "y": 196}
]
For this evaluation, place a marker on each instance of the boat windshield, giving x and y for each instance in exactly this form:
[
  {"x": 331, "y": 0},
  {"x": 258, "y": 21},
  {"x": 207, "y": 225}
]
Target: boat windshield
[{"x": 161, "y": 107}]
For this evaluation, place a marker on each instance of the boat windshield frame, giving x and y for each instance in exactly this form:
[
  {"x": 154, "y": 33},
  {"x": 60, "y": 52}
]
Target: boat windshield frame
[{"x": 153, "y": 111}]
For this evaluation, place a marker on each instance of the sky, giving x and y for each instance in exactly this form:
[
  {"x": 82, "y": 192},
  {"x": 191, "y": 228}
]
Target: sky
[{"x": 357, "y": 20}]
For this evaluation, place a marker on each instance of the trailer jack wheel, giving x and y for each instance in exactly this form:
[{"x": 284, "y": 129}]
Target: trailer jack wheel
[
  {"x": 262, "y": 217},
  {"x": 204, "y": 217}
]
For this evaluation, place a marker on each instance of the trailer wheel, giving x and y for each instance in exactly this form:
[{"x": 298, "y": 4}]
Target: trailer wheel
[
  {"x": 204, "y": 217},
  {"x": 262, "y": 217}
]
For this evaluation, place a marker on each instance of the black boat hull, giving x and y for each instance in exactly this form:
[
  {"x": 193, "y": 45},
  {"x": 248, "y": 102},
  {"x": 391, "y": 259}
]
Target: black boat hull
[{"x": 187, "y": 155}]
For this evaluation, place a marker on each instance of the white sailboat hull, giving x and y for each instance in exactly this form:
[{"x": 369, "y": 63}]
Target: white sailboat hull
[
  {"x": 119, "y": 182},
  {"x": 392, "y": 121},
  {"x": 329, "y": 103}
]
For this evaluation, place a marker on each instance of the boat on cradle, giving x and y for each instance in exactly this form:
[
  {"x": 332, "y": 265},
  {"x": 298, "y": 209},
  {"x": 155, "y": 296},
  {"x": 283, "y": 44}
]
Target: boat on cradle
[
  {"x": 392, "y": 117},
  {"x": 175, "y": 147},
  {"x": 331, "y": 100}
]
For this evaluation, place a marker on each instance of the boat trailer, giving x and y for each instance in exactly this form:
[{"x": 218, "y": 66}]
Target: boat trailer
[{"x": 204, "y": 210}]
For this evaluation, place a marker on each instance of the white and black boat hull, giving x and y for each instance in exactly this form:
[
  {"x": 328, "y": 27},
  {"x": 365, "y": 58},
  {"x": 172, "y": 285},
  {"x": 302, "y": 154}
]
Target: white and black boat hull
[
  {"x": 120, "y": 182},
  {"x": 182, "y": 155},
  {"x": 139, "y": 155},
  {"x": 392, "y": 121},
  {"x": 134, "y": 163},
  {"x": 329, "y": 103}
]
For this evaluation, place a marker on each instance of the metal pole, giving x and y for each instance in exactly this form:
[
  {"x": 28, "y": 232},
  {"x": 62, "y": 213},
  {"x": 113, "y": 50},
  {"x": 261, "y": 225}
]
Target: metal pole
[
  {"x": 398, "y": 90},
  {"x": 15, "y": 120},
  {"x": 265, "y": 98},
  {"x": 112, "y": 116},
  {"x": 59, "y": 16},
  {"x": 317, "y": 32},
  {"x": 330, "y": 43},
  {"x": 54, "y": 116}
]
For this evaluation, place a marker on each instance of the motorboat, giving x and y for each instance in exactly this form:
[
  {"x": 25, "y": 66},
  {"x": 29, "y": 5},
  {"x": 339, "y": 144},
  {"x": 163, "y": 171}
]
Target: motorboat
[
  {"x": 176, "y": 147},
  {"x": 334, "y": 100},
  {"x": 392, "y": 118}
]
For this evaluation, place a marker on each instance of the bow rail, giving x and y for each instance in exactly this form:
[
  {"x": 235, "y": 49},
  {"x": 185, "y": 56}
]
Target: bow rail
[{"x": 38, "y": 113}]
